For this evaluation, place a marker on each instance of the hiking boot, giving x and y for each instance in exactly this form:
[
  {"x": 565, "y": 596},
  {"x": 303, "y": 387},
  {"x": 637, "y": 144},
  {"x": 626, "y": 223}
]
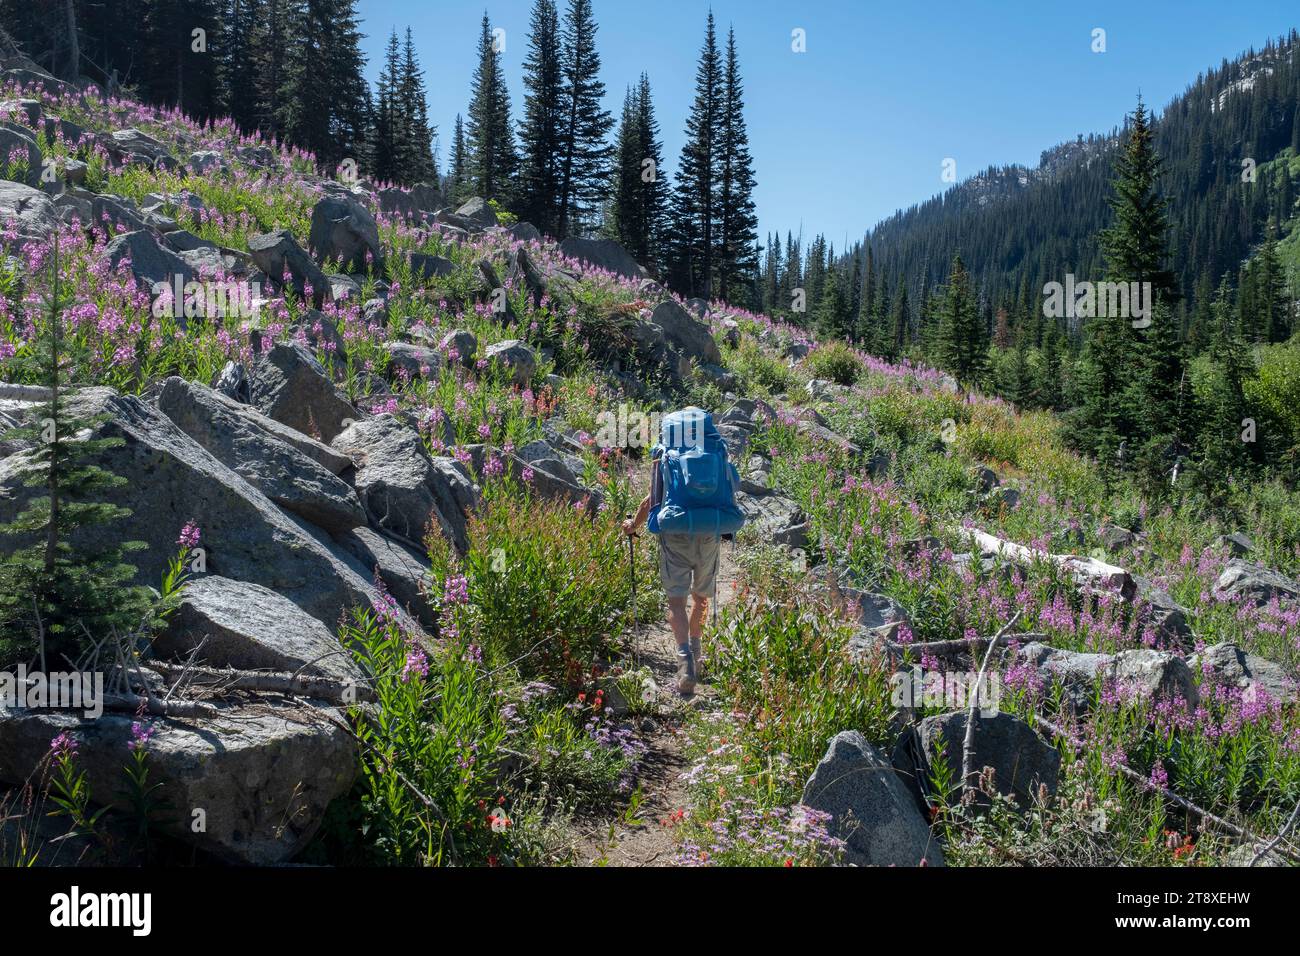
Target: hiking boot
[
  {"x": 685, "y": 671},
  {"x": 697, "y": 652}
]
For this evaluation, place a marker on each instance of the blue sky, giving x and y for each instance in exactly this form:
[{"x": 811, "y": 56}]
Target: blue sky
[{"x": 859, "y": 125}]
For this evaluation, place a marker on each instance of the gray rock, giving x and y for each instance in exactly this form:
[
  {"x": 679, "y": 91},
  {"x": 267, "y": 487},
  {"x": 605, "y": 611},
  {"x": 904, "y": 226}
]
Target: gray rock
[
  {"x": 22, "y": 109},
  {"x": 1149, "y": 674},
  {"x": 133, "y": 145},
  {"x": 1229, "y": 664},
  {"x": 1162, "y": 612},
  {"x": 1236, "y": 544},
  {"x": 263, "y": 778},
  {"x": 1020, "y": 758},
  {"x": 776, "y": 518},
  {"x": 605, "y": 254},
  {"x": 419, "y": 361},
  {"x": 700, "y": 307},
  {"x": 28, "y": 211},
  {"x": 403, "y": 570},
  {"x": 464, "y": 343},
  {"x": 686, "y": 332},
  {"x": 1254, "y": 584},
  {"x": 525, "y": 232},
  {"x": 478, "y": 212},
  {"x": 821, "y": 433},
  {"x": 428, "y": 197},
  {"x": 424, "y": 266},
  {"x": 249, "y": 627},
  {"x": 986, "y": 479},
  {"x": 1113, "y": 538},
  {"x": 290, "y": 386},
  {"x": 344, "y": 231},
  {"x": 524, "y": 271},
  {"x": 207, "y": 161},
  {"x": 278, "y": 252},
  {"x": 877, "y": 612},
  {"x": 150, "y": 263},
  {"x": 398, "y": 202},
  {"x": 870, "y": 807},
  {"x": 171, "y": 479},
  {"x": 402, "y": 487},
  {"x": 279, "y": 470},
  {"x": 515, "y": 356}
]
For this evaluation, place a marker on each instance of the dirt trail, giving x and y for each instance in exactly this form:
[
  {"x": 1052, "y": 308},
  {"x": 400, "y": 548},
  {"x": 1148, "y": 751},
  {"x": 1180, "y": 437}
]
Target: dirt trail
[{"x": 651, "y": 841}]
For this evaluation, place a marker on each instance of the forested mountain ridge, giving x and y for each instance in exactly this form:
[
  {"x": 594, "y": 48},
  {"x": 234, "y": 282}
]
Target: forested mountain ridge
[{"x": 1044, "y": 221}]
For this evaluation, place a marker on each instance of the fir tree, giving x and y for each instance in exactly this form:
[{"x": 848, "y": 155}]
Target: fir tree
[
  {"x": 585, "y": 124},
  {"x": 962, "y": 343},
  {"x": 415, "y": 141},
  {"x": 737, "y": 221},
  {"x": 492, "y": 160},
  {"x": 457, "y": 187},
  {"x": 52, "y": 591},
  {"x": 694, "y": 212},
  {"x": 540, "y": 135}
]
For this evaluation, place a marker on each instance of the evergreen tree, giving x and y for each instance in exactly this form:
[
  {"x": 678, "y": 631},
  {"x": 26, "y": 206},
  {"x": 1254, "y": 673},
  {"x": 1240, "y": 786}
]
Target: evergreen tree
[
  {"x": 458, "y": 188},
  {"x": 540, "y": 135},
  {"x": 962, "y": 342},
  {"x": 491, "y": 159},
  {"x": 415, "y": 144},
  {"x": 694, "y": 212},
  {"x": 737, "y": 221},
  {"x": 1224, "y": 407},
  {"x": 49, "y": 589},
  {"x": 386, "y": 147},
  {"x": 585, "y": 124}
]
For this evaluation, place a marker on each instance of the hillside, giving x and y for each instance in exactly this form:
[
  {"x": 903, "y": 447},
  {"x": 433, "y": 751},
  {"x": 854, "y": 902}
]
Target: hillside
[
  {"x": 1016, "y": 226},
  {"x": 394, "y": 620}
]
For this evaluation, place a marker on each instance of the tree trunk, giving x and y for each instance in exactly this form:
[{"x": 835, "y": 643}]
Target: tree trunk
[{"x": 74, "y": 46}]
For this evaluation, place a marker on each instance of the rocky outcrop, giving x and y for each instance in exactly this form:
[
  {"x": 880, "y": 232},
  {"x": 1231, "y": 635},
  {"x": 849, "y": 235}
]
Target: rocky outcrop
[
  {"x": 1021, "y": 760},
  {"x": 517, "y": 358},
  {"x": 277, "y": 253},
  {"x": 870, "y": 806},
  {"x": 403, "y": 488},
  {"x": 26, "y": 211},
  {"x": 243, "y": 625},
  {"x": 1255, "y": 676},
  {"x": 1147, "y": 674},
  {"x": 343, "y": 231},
  {"x": 1255, "y": 585},
  {"x": 686, "y": 332},
  {"x": 280, "y": 471},
  {"x": 258, "y": 781},
  {"x": 170, "y": 479},
  {"x": 290, "y": 386},
  {"x": 603, "y": 254}
]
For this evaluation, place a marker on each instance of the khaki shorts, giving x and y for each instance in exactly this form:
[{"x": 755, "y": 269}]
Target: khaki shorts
[{"x": 688, "y": 563}]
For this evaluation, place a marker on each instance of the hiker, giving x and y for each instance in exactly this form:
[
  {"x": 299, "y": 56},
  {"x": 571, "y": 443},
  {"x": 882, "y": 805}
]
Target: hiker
[{"x": 690, "y": 507}]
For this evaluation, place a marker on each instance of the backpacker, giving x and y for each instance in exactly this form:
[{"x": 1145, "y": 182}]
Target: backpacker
[{"x": 698, "y": 484}]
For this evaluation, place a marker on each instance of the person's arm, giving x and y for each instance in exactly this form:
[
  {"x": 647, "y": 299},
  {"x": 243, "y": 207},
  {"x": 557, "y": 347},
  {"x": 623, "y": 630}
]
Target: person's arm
[{"x": 631, "y": 525}]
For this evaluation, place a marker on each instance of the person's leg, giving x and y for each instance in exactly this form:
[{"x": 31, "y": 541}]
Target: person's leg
[
  {"x": 699, "y": 610},
  {"x": 675, "y": 573},
  {"x": 677, "y": 620}
]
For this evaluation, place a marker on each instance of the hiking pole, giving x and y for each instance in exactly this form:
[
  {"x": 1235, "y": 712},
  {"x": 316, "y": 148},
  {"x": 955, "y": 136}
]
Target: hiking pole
[{"x": 631, "y": 572}]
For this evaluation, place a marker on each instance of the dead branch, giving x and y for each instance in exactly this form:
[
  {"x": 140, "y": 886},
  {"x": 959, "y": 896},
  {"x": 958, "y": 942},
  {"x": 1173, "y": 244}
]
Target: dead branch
[
  {"x": 1089, "y": 571},
  {"x": 968, "y": 744},
  {"x": 274, "y": 682}
]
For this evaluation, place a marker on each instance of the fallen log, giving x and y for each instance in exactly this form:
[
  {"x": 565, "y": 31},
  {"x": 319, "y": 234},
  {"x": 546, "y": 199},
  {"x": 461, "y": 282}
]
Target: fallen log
[
  {"x": 273, "y": 682},
  {"x": 1088, "y": 571},
  {"x": 961, "y": 645}
]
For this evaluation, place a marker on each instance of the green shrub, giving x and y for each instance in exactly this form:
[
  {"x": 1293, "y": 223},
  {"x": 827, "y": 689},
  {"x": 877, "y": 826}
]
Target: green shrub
[
  {"x": 547, "y": 586},
  {"x": 836, "y": 361}
]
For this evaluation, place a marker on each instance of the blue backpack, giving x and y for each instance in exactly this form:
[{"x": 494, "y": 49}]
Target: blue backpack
[{"x": 698, "y": 484}]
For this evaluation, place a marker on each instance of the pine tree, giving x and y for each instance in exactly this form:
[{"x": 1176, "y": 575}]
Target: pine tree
[
  {"x": 585, "y": 124},
  {"x": 541, "y": 131},
  {"x": 414, "y": 145},
  {"x": 737, "y": 221},
  {"x": 492, "y": 160},
  {"x": 694, "y": 212},
  {"x": 962, "y": 342},
  {"x": 652, "y": 194},
  {"x": 386, "y": 148},
  {"x": 635, "y": 217},
  {"x": 1224, "y": 408},
  {"x": 457, "y": 187},
  {"x": 48, "y": 587}
]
